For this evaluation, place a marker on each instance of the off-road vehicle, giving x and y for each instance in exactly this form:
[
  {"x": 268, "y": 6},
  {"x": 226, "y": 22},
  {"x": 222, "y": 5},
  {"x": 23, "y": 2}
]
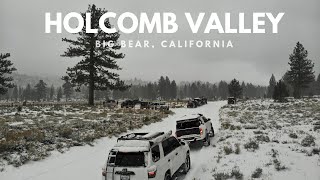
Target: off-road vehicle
[
  {"x": 142, "y": 156},
  {"x": 161, "y": 105},
  {"x": 128, "y": 104},
  {"x": 195, "y": 128}
]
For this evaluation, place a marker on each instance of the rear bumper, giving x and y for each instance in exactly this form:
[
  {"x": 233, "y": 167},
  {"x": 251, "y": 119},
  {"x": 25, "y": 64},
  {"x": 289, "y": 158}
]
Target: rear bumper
[{"x": 192, "y": 139}]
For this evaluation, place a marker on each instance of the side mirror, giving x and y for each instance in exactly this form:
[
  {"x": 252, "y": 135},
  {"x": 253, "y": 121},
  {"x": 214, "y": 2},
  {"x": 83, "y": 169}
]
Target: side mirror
[{"x": 209, "y": 119}]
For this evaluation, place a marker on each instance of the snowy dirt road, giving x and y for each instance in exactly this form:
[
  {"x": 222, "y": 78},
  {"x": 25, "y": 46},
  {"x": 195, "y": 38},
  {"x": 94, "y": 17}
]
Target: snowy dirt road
[{"x": 83, "y": 163}]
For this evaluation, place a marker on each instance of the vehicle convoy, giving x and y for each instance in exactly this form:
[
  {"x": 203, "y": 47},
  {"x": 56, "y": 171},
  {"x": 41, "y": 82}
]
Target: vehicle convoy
[
  {"x": 139, "y": 156},
  {"x": 195, "y": 128}
]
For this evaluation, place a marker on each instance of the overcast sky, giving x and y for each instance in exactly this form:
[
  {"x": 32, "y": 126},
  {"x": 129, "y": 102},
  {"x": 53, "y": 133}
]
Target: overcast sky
[{"x": 253, "y": 59}]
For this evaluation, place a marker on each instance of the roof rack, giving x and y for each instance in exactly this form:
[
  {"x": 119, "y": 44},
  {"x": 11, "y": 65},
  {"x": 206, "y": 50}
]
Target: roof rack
[{"x": 140, "y": 136}]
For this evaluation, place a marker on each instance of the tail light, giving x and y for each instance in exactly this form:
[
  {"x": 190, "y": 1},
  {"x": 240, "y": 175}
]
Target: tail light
[
  {"x": 201, "y": 131},
  {"x": 152, "y": 172}
]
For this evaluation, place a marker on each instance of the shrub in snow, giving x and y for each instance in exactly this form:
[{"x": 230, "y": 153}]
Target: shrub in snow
[
  {"x": 236, "y": 173},
  {"x": 65, "y": 132},
  {"x": 251, "y": 145},
  {"x": 293, "y": 135},
  {"x": 308, "y": 141},
  {"x": 221, "y": 176},
  {"x": 257, "y": 173},
  {"x": 263, "y": 138},
  {"x": 278, "y": 166},
  {"x": 274, "y": 153},
  {"x": 227, "y": 150},
  {"x": 225, "y": 125},
  {"x": 237, "y": 150},
  {"x": 316, "y": 151},
  {"x": 257, "y": 132}
]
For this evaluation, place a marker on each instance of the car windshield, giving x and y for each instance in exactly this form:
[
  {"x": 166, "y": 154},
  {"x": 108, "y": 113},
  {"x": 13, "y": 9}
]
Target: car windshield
[
  {"x": 188, "y": 124},
  {"x": 130, "y": 159}
]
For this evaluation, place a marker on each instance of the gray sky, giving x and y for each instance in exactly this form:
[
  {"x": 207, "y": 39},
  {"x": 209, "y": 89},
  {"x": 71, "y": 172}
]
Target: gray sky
[{"x": 254, "y": 56}]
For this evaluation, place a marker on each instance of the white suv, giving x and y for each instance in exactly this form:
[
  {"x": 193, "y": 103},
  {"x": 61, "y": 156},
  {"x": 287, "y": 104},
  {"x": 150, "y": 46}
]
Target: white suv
[{"x": 139, "y": 156}]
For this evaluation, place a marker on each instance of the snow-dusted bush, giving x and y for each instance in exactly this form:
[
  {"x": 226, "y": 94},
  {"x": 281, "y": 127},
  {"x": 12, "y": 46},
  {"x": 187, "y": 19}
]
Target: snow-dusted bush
[
  {"x": 263, "y": 138},
  {"x": 257, "y": 173},
  {"x": 251, "y": 145},
  {"x": 308, "y": 141},
  {"x": 237, "y": 148},
  {"x": 293, "y": 135},
  {"x": 227, "y": 150},
  {"x": 236, "y": 173},
  {"x": 278, "y": 165}
]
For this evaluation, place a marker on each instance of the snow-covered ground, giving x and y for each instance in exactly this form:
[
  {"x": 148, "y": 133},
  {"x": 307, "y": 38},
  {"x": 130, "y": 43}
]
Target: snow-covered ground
[
  {"x": 284, "y": 138},
  {"x": 260, "y": 138},
  {"x": 85, "y": 162}
]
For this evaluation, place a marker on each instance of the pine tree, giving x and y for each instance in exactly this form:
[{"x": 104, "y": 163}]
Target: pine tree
[
  {"x": 301, "y": 72},
  {"x": 97, "y": 68},
  {"x": 67, "y": 88},
  {"x": 59, "y": 94},
  {"x": 162, "y": 87},
  {"x": 51, "y": 92},
  {"x": 223, "y": 89},
  {"x": 318, "y": 85},
  {"x": 280, "y": 91},
  {"x": 6, "y": 69},
  {"x": 41, "y": 89},
  {"x": 272, "y": 84},
  {"x": 15, "y": 93},
  {"x": 27, "y": 92},
  {"x": 235, "y": 89},
  {"x": 173, "y": 89}
]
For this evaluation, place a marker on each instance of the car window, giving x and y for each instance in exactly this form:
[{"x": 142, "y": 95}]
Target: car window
[
  {"x": 188, "y": 124},
  {"x": 166, "y": 147},
  {"x": 155, "y": 152},
  {"x": 174, "y": 142},
  {"x": 124, "y": 159},
  {"x": 169, "y": 145}
]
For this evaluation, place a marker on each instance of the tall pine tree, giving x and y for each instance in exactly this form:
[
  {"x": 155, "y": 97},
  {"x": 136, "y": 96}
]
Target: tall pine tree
[
  {"x": 301, "y": 72},
  {"x": 6, "y": 69},
  {"x": 41, "y": 90},
  {"x": 67, "y": 88},
  {"x": 272, "y": 84},
  {"x": 235, "y": 89},
  {"x": 59, "y": 94},
  {"x": 97, "y": 68},
  {"x": 51, "y": 92}
]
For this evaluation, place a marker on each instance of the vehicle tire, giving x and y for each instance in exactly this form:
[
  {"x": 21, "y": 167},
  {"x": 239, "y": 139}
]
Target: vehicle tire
[
  {"x": 186, "y": 165},
  {"x": 212, "y": 132},
  {"x": 207, "y": 140},
  {"x": 167, "y": 176}
]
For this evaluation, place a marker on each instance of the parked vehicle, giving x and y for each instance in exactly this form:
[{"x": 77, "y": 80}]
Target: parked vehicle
[
  {"x": 195, "y": 128},
  {"x": 142, "y": 156},
  {"x": 159, "y": 105},
  {"x": 110, "y": 104},
  {"x": 232, "y": 100},
  {"x": 196, "y": 102},
  {"x": 191, "y": 104},
  {"x": 145, "y": 105},
  {"x": 128, "y": 104}
]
